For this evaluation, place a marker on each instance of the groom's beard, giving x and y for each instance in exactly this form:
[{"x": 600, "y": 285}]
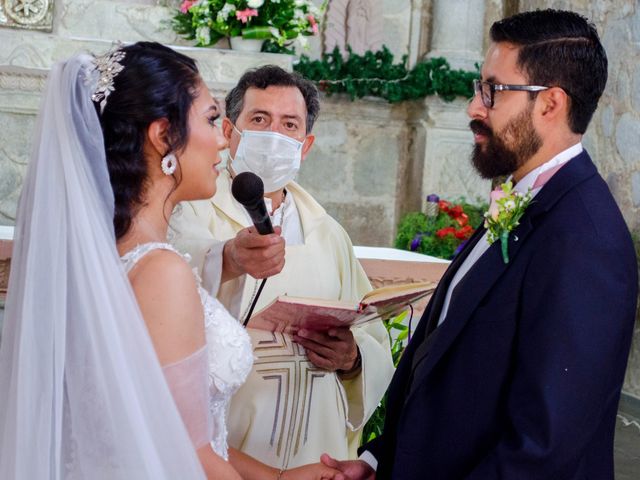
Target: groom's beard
[{"x": 495, "y": 158}]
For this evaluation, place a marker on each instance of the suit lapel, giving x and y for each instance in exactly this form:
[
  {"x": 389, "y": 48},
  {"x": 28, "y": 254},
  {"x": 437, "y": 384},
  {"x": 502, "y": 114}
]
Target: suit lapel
[
  {"x": 448, "y": 277},
  {"x": 429, "y": 321},
  {"x": 467, "y": 295},
  {"x": 477, "y": 283}
]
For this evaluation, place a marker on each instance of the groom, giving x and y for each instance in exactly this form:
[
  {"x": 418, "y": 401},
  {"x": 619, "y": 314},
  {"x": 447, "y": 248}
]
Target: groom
[{"x": 516, "y": 368}]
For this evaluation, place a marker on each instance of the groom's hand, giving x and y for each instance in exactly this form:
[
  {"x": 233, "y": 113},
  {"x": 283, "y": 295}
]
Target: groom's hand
[
  {"x": 353, "y": 469},
  {"x": 334, "y": 350}
]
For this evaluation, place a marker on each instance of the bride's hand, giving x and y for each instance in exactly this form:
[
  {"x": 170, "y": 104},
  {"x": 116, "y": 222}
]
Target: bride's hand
[{"x": 313, "y": 471}]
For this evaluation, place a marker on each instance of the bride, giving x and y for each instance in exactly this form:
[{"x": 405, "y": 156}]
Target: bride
[{"x": 101, "y": 377}]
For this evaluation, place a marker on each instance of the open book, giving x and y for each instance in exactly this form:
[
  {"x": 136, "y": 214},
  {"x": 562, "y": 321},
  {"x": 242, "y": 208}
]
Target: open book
[{"x": 289, "y": 314}]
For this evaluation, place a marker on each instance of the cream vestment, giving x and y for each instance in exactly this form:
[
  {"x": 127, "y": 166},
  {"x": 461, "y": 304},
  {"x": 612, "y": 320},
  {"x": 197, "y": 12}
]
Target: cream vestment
[{"x": 289, "y": 412}]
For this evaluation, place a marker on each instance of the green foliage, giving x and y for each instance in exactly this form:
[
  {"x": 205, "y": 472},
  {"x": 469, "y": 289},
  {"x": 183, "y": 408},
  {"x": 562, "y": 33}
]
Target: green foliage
[
  {"x": 430, "y": 243},
  {"x": 374, "y": 426},
  {"x": 273, "y": 47},
  {"x": 375, "y": 74}
]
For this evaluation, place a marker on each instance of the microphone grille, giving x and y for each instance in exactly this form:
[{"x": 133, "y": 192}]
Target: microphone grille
[{"x": 247, "y": 188}]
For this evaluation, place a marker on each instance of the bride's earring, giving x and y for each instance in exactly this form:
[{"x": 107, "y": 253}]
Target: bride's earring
[{"x": 169, "y": 163}]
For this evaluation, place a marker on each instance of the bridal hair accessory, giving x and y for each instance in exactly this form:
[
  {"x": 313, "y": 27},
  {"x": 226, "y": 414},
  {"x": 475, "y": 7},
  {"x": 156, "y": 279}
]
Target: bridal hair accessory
[
  {"x": 169, "y": 163},
  {"x": 505, "y": 211},
  {"x": 109, "y": 67}
]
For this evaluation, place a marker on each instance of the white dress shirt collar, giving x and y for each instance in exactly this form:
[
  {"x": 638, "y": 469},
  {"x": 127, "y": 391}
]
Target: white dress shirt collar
[{"x": 529, "y": 179}]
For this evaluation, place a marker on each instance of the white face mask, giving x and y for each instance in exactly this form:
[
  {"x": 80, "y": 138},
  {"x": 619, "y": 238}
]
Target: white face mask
[{"x": 274, "y": 157}]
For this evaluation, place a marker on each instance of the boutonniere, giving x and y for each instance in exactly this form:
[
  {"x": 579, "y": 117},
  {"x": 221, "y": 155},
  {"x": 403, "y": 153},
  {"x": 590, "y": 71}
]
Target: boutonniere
[{"x": 505, "y": 211}]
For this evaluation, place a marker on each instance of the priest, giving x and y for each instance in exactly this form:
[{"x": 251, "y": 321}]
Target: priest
[{"x": 312, "y": 392}]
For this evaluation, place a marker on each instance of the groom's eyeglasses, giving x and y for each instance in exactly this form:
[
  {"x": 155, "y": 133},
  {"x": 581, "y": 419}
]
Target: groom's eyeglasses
[{"x": 487, "y": 90}]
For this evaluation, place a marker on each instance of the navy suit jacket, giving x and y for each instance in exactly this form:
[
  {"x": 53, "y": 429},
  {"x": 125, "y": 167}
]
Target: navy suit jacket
[{"x": 522, "y": 379}]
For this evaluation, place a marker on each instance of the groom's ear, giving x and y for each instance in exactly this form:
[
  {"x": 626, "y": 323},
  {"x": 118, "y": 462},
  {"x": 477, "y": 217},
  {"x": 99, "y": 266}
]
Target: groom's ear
[{"x": 157, "y": 136}]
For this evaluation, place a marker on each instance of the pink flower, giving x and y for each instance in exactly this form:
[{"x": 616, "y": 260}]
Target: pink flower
[
  {"x": 496, "y": 195},
  {"x": 186, "y": 5},
  {"x": 245, "y": 15},
  {"x": 314, "y": 24}
]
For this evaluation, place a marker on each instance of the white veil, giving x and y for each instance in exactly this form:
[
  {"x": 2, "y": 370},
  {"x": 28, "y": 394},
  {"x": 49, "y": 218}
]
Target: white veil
[{"x": 82, "y": 394}]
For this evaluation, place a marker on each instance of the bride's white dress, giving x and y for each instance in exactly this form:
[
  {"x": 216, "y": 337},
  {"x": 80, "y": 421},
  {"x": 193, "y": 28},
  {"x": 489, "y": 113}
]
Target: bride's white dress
[{"x": 228, "y": 350}]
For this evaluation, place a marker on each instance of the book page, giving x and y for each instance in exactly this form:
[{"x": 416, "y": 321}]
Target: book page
[{"x": 392, "y": 294}]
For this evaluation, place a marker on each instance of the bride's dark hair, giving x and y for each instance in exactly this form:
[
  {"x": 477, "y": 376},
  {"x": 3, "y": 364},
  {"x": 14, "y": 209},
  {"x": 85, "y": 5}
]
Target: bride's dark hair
[{"x": 156, "y": 82}]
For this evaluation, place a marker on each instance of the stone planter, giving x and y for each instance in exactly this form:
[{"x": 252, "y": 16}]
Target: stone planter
[{"x": 245, "y": 44}]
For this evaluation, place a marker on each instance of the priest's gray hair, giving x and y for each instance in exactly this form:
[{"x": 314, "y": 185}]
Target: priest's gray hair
[{"x": 273, "y": 76}]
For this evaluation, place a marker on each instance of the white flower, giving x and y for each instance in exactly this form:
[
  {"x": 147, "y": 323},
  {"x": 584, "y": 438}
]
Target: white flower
[
  {"x": 299, "y": 3},
  {"x": 509, "y": 205},
  {"x": 254, "y": 3},
  {"x": 298, "y": 14},
  {"x": 315, "y": 11},
  {"x": 223, "y": 14},
  {"x": 203, "y": 35},
  {"x": 275, "y": 32},
  {"x": 304, "y": 43}
]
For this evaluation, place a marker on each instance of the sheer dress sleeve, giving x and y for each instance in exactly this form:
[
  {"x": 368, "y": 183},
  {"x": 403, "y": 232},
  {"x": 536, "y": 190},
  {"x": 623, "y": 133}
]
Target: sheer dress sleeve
[{"x": 188, "y": 382}]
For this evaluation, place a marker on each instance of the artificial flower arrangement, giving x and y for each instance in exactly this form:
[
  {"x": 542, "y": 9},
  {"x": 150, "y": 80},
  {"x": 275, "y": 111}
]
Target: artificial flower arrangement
[
  {"x": 441, "y": 230},
  {"x": 276, "y": 21}
]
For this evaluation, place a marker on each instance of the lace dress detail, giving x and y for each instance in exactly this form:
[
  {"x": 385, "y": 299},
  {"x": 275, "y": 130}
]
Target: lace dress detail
[{"x": 229, "y": 348}]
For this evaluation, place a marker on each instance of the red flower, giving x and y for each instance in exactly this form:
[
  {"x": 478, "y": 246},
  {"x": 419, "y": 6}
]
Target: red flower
[
  {"x": 463, "y": 219},
  {"x": 464, "y": 232},
  {"x": 443, "y": 232},
  {"x": 456, "y": 211},
  {"x": 444, "y": 206}
]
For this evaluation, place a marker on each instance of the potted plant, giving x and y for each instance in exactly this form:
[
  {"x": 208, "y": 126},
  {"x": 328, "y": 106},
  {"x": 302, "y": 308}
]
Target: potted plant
[
  {"x": 278, "y": 22},
  {"x": 443, "y": 228}
]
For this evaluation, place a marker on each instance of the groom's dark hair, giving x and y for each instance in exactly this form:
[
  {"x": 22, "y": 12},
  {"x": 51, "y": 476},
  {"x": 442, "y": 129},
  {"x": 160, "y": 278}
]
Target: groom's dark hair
[{"x": 559, "y": 49}]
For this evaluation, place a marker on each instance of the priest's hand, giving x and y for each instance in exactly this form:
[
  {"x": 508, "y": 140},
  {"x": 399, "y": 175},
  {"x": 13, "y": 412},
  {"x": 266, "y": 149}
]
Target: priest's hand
[
  {"x": 260, "y": 256},
  {"x": 352, "y": 469},
  {"x": 333, "y": 350}
]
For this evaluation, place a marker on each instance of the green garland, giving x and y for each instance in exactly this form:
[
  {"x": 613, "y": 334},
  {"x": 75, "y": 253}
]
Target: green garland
[{"x": 375, "y": 74}]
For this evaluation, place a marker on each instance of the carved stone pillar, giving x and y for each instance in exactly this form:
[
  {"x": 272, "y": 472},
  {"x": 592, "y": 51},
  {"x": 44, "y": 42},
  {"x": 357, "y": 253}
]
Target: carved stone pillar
[
  {"x": 457, "y": 35},
  {"x": 356, "y": 23}
]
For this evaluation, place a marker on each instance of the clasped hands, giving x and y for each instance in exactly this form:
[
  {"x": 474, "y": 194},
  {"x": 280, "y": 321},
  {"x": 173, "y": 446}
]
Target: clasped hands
[{"x": 331, "y": 469}]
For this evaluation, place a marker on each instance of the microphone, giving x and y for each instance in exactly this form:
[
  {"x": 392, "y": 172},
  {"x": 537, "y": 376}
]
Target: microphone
[{"x": 247, "y": 188}]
